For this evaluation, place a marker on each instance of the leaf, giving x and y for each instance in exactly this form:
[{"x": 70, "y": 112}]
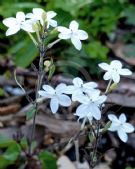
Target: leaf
[
  {"x": 108, "y": 124},
  {"x": 92, "y": 52},
  {"x": 48, "y": 160},
  {"x": 24, "y": 143},
  {"x": 51, "y": 71},
  {"x": 1, "y": 92},
  {"x": 30, "y": 114},
  {"x": 25, "y": 52}
]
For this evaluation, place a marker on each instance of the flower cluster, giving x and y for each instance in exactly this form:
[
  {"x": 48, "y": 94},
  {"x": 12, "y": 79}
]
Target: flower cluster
[
  {"x": 84, "y": 93},
  {"x": 91, "y": 101},
  {"x": 32, "y": 22},
  {"x": 89, "y": 97}
]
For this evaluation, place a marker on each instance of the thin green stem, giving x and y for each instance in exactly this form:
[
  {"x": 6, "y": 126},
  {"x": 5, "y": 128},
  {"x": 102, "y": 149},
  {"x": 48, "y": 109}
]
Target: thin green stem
[
  {"x": 108, "y": 86},
  {"x": 39, "y": 83}
]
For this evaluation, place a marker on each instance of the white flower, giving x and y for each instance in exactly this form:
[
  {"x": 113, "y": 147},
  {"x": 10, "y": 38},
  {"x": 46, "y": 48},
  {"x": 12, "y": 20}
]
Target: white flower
[
  {"x": 114, "y": 70},
  {"x": 56, "y": 95},
  {"x": 79, "y": 88},
  {"x": 14, "y": 24},
  {"x": 38, "y": 16},
  {"x": 120, "y": 125},
  {"x": 73, "y": 33},
  {"x": 90, "y": 106}
]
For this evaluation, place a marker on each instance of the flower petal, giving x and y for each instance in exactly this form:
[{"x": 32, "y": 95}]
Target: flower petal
[
  {"x": 70, "y": 89},
  {"x": 20, "y": 16},
  {"x": 122, "y": 135},
  {"x": 12, "y": 30},
  {"x": 90, "y": 85},
  {"x": 77, "y": 82},
  {"x": 51, "y": 14},
  {"x": 73, "y": 26},
  {"x": 116, "y": 77},
  {"x": 96, "y": 113},
  {"x": 38, "y": 11},
  {"x": 113, "y": 118},
  {"x": 54, "y": 104},
  {"x": 116, "y": 64},
  {"x": 82, "y": 111},
  {"x": 82, "y": 35},
  {"x": 114, "y": 126},
  {"x": 44, "y": 94},
  {"x": 10, "y": 22},
  {"x": 48, "y": 89},
  {"x": 64, "y": 36},
  {"x": 52, "y": 22},
  {"x": 64, "y": 30},
  {"x": 101, "y": 99},
  {"x": 125, "y": 72},
  {"x": 122, "y": 118},
  {"x": 76, "y": 42},
  {"x": 107, "y": 76},
  {"x": 61, "y": 88},
  {"x": 104, "y": 66},
  {"x": 64, "y": 100},
  {"x": 128, "y": 128}
]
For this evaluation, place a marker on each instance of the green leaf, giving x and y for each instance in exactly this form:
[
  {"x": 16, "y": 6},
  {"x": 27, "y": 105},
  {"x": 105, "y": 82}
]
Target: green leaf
[
  {"x": 108, "y": 124},
  {"x": 25, "y": 52},
  {"x": 1, "y": 92},
  {"x": 51, "y": 71},
  {"x": 30, "y": 114},
  {"x": 24, "y": 143},
  {"x": 92, "y": 52},
  {"x": 48, "y": 160}
]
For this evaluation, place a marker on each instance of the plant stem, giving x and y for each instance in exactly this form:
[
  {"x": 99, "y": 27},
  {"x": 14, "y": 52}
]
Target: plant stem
[
  {"x": 108, "y": 86},
  {"x": 39, "y": 83}
]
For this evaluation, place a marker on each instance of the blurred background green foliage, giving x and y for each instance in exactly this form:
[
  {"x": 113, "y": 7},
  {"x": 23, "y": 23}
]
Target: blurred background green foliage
[{"x": 100, "y": 18}]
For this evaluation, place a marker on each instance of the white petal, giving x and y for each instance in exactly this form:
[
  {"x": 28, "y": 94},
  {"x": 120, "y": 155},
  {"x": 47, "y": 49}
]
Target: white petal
[
  {"x": 76, "y": 42},
  {"x": 44, "y": 94},
  {"x": 94, "y": 95},
  {"x": 29, "y": 15},
  {"x": 54, "y": 104},
  {"x": 27, "y": 26},
  {"x": 90, "y": 85},
  {"x": 107, "y": 76},
  {"x": 95, "y": 112},
  {"x": 64, "y": 36},
  {"x": 48, "y": 89},
  {"x": 114, "y": 127},
  {"x": 101, "y": 99},
  {"x": 104, "y": 66},
  {"x": 113, "y": 118},
  {"x": 128, "y": 128},
  {"x": 116, "y": 64},
  {"x": 122, "y": 118},
  {"x": 116, "y": 77},
  {"x": 38, "y": 11},
  {"x": 61, "y": 88},
  {"x": 10, "y": 22},
  {"x": 64, "y": 30},
  {"x": 20, "y": 16},
  {"x": 77, "y": 82},
  {"x": 80, "y": 97},
  {"x": 70, "y": 89},
  {"x": 52, "y": 22},
  {"x": 12, "y": 30},
  {"x": 122, "y": 135},
  {"x": 125, "y": 72},
  {"x": 82, "y": 35},
  {"x": 82, "y": 111},
  {"x": 64, "y": 100},
  {"x": 51, "y": 14},
  {"x": 73, "y": 26}
]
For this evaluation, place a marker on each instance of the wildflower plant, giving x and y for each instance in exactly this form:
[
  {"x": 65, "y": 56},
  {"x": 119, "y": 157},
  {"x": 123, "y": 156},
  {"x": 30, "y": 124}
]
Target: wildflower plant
[{"x": 91, "y": 101}]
